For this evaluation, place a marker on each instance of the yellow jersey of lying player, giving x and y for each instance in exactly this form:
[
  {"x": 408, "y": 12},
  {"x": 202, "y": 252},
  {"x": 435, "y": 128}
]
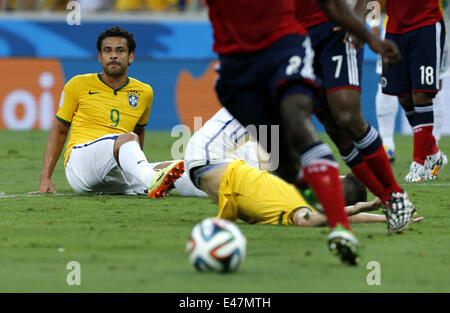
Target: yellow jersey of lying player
[
  {"x": 94, "y": 109},
  {"x": 257, "y": 197}
]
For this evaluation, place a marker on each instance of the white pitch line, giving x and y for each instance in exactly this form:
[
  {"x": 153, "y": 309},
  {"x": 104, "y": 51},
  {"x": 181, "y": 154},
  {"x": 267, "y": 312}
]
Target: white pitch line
[{"x": 37, "y": 195}]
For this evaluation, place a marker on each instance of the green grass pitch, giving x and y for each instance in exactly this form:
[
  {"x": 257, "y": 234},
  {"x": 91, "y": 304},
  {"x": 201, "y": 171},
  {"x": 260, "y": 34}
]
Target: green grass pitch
[{"x": 134, "y": 244}]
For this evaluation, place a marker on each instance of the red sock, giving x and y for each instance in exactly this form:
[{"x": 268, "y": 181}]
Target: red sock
[
  {"x": 381, "y": 167},
  {"x": 324, "y": 180},
  {"x": 424, "y": 143},
  {"x": 363, "y": 172}
]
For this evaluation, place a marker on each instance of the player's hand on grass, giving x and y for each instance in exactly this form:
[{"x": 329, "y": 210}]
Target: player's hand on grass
[
  {"x": 45, "y": 186},
  {"x": 374, "y": 205},
  {"x": 417, "y": 219},
  {"x": 359, "y": 207}
]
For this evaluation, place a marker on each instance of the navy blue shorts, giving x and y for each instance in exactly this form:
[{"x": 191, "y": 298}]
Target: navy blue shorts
[
  {"x": 336, "y": 64},
  {"x": 249, "y": 84},
  {"x": 418, "y": 71}
]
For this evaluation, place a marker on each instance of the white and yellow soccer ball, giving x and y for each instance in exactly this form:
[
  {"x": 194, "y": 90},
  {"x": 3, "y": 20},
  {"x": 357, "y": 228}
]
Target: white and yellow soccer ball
[{"x": 216, "y": 245}]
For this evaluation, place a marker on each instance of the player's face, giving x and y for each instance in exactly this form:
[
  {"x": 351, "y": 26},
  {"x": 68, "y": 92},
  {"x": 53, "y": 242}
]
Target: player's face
[{"x": 115, "y": 56}]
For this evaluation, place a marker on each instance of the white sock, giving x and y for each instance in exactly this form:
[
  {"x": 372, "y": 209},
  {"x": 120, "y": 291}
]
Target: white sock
[
  {"x": 186, "y": 187},
  {"x": 438, "y": 111},
  {"x": 386, "y": 108},
  {"x": 133, "y": 161},
  {"x": 446, "y": 100}
]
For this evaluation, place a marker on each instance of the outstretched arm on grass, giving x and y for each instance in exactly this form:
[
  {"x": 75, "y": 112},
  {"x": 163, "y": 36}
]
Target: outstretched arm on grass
[
  {"x": 305, "y": 218},
  {"x": 55, "y": 144}
]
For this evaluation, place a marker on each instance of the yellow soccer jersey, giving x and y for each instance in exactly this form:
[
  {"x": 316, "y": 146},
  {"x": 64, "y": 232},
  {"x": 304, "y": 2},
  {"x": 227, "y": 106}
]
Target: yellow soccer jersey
[
  {"x": 257, "y": 197},
  {"x": 94, "y": 109}
]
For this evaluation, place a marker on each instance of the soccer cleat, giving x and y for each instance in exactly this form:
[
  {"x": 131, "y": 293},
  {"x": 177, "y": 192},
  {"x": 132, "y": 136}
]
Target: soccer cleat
[
  {"x": 343, "y": 243},
  {"x": 433, "y": 164},
  {"x": 416, "y": 173},
  {"x": 164, "y": 179},
  {"x": 399, "y": 211},
  {"x": 390, "y": 153}
]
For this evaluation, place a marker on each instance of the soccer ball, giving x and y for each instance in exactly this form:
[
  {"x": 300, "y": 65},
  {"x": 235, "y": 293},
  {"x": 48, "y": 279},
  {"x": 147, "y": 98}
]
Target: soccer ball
[{"x": 216, "y": 245}]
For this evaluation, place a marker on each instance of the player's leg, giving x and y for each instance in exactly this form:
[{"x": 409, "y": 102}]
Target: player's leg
[
  {"x": 438, "y": 111},
  {"x": 133, "y": 161},
  {"x": 386, "y": 110},
  {"x": 285, "y": 62},
  {"x": 183, "y": 185},
  {"x": 425, "y": 69},
  {"x": 425, "y": 145},
  {"x": 92, "y": 168},
  {"x": 186, "y": 187},
  {"x": 89, "y": 164},
  {"x": 349, "y": 154},
  {"x": 416, "y": 169},
  {"x": 358, "y": 142},
  {"x": 320, "y": 171},
  {"x": 318, "y": 167},
  {"x": 346, "y": 110}
]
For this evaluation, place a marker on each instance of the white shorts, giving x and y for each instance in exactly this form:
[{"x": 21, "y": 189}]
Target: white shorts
[
  {"x": 92, "y": 168},
  {"x": 218, "y": 141}
]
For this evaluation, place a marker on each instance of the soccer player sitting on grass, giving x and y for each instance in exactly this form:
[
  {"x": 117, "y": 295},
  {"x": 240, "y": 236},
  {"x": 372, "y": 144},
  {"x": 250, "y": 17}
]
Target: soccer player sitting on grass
[{"x": 106, "y": 114}]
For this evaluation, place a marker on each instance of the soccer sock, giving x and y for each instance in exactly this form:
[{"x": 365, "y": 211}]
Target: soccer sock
[
  {"x": 424, "y": 141},
  {"x": 362, "y": 171},
  {"x": 321, "y": 172},
  {"x": 386, "y": 108},
  {"x": 133, "y": 161},
  {"x": 438, "y": 115},
  {"x": 186, "y": 187},
  {"x": 374, "y": 155}
]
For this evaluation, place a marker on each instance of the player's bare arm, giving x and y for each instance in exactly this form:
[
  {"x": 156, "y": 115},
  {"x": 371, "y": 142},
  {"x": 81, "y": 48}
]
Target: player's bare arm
[
  {"x": 359, "y": 207},
  {"x": 305, "y": 218},
  {"x": 338, "y": 11},
  {"x": 55, "y": 144}
]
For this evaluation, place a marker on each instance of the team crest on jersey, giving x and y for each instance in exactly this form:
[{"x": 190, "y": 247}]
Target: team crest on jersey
[{"x": 133, "y": 100}]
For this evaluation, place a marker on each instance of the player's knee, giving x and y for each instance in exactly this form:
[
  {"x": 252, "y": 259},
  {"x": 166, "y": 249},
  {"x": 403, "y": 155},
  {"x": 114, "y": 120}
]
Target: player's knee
[
  {"x": 344, "y": 120},
  {"x": 295, "y": 101},
  {"x": 406, "y": 102},
  {"x": 124, "y": 138},
  {"x": 121, "y": 140},
  {"x": 128, "y": 137},
  {"x": 295, "y": 107}
]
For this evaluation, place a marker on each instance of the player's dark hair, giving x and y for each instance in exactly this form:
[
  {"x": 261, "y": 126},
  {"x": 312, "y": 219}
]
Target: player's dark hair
[
  {"x": 353, "y": 189},
  {"x": 116, "y": 31}
]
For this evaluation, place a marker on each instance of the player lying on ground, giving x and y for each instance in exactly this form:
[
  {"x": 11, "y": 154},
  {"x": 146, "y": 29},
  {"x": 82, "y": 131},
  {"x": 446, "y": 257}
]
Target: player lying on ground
[
  {"x": 339, "y": 67},
  {"x": 244, "y": 191},
  {"x": 259, "y": 197},
  {"x": 266, "y": 77},
  {"x": 106, "y": 114}
]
